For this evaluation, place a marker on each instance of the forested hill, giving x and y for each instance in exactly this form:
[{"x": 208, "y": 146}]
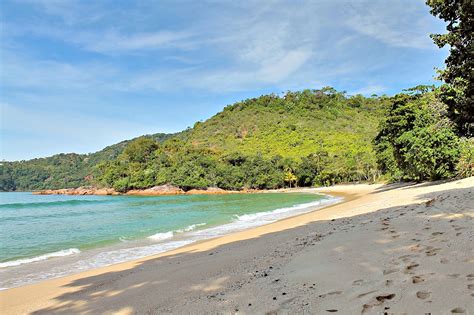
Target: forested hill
[
  {"x": 312, "y": 137},
  {"x": 305, "y": 138},
  {"x": 294, "y": 126},
  {"x": 65, "y": 170}
]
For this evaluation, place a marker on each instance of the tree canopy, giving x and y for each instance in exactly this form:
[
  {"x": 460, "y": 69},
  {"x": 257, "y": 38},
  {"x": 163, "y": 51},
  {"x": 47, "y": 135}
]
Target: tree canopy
[{"x": 458, "y": 93}]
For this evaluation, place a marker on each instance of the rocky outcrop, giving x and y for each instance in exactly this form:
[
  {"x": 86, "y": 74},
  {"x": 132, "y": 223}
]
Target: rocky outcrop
[
  {"x": 210, "y": 191},
  {"x": 162, "y": 190},
  {"x": 78, "y": 191}
]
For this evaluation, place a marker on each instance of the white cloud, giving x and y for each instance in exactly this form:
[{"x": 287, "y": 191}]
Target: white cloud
[
  {"x": 272, "y": 71},
  {"x": 27, "y": 73},
  {"x": 71, "y": 12},
  {"x": 278, "y": 70},
  {"x": 246, "y": 44},
  {"x": 398, "y": 23},
  {"x": 84, "y": 54},
  {"x": 113, "y": 42}
]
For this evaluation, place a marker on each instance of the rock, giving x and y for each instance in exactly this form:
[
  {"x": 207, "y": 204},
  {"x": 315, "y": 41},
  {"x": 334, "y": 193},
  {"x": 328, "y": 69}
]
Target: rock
[
  {"x": 157, "y": 191},
  {"x": 209, "y": 191},
  {"x": 78, "y": 191},
  {"x": 161, "y": 190}
]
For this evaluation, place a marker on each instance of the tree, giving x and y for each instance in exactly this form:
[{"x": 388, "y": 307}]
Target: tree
[
  {"x": 140, "y": 149},
  {"x": 458, "y": 94},
  {"x": 422, "y": 140},
  {"x": 290, "y": 177}
]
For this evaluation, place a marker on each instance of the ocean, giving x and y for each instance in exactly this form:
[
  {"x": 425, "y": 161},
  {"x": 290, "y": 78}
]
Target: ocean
[{"x": 47, "y": 236}]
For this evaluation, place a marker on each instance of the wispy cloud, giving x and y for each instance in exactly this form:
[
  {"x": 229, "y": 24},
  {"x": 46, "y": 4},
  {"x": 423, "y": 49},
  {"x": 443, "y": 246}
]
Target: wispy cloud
[
  {"x": 113, "y": 42},
  {"x": 398, "y": 24},
  {"x": 95, "y": 57}
]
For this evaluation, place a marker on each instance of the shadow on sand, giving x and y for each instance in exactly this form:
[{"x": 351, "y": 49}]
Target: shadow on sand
[{"x": 207, "y": 278}]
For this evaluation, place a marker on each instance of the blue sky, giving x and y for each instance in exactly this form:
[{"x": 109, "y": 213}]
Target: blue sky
[{"x": 76, "y": 76}]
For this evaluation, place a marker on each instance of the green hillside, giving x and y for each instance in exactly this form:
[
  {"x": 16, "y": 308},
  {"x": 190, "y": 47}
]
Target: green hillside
[
  {"x": 65, "y": 170},
  {"x": 306, "y": 138},
  {"x": 295, "y": 125},
  {"x": 313, "y": 137},
  {"x": 297, "y": 128}
]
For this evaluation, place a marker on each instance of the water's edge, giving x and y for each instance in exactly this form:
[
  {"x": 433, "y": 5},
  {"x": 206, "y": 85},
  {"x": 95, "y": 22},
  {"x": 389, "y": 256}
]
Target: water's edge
[{"x": 72, "y": 261}]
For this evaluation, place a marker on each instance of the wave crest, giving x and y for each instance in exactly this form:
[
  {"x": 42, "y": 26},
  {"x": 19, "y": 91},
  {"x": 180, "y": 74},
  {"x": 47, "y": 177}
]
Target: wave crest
[
  {"x": 61, "y": 253},
  {"x": 161, "y": 236}
]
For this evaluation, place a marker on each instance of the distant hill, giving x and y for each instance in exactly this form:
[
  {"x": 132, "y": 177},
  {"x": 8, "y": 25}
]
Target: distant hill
[
  {"x": 65, "y": 170},
  {"x": 307, "y": 138}
]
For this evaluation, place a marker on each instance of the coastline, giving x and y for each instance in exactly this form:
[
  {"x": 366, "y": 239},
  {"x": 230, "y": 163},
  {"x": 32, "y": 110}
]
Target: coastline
[
  {"x": 360, "y": 200},
  {"x": 77, "y": 258},
  {"x": 163, "y": 190}
]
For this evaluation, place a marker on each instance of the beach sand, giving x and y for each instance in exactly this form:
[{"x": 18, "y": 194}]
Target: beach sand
[{"x": 401, "y": 248}]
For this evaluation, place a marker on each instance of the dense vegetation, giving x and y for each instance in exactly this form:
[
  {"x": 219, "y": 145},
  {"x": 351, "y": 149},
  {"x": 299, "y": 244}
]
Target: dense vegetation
[
  {"x": 303, "y": 138},
  {"x": 417, "y": 142},
  {"x": 306, "y": 138},
  {"x": 59, "y": 171},
  {"x": 312, "y": 137},
  {"x": 458, "y": 92}
]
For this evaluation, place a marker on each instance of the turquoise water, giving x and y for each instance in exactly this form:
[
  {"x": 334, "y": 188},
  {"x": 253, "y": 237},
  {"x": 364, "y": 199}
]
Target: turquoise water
[{"x": 38, "y": 227}]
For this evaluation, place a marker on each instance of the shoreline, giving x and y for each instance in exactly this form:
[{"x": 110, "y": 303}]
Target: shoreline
[
  {"x": 163, "y": 190},
  {"x": 204, "y": 244},
  {"x": 81, "y": 260},
  {"x": 360, "y": 200}
]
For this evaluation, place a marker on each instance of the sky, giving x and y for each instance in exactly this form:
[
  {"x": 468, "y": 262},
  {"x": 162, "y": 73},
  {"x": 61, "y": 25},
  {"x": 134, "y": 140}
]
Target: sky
[{"x": 76, "y": 76}]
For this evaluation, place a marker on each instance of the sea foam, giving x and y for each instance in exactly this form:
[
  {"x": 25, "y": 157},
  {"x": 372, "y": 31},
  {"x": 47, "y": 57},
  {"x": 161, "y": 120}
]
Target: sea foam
[
  {"x": 170, "y": 234},
  {"x": 190, "y": 228},
  {"x": 61, "y": 253},
  {"x": 161, "y": 236},
  {"x": 166, "y": 241}
]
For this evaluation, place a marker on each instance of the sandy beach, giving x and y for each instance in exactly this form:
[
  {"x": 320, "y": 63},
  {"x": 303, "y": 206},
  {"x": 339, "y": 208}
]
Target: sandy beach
[{"x": 400, "y": 248}]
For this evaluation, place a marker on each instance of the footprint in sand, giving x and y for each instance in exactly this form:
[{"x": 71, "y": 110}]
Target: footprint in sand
[
  {"x": 470, "y": 286},
  {"x": 383, "y": 298},
  {"x": 410, "y": 267},
  {"x": 458, "y": 310},
  {"x": 415, "y": 248},
  {"x": 457, "y": 227},
  {"x": 454, "y": 275},
  {"x": 417, "y": 279},
  {"x": 330, "y": 293},
  {"x": 423, "y": 295},
  {"x": 432, "y": 252},
  {"x": 378, "y": 300},
  {"x": 364, "y": 294},
  {"x": 430, "y": 202},
  {"x": 444, "y": 261},
  {"x": 357, "y": 282},
  {"x": 470, "y": 277}
]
